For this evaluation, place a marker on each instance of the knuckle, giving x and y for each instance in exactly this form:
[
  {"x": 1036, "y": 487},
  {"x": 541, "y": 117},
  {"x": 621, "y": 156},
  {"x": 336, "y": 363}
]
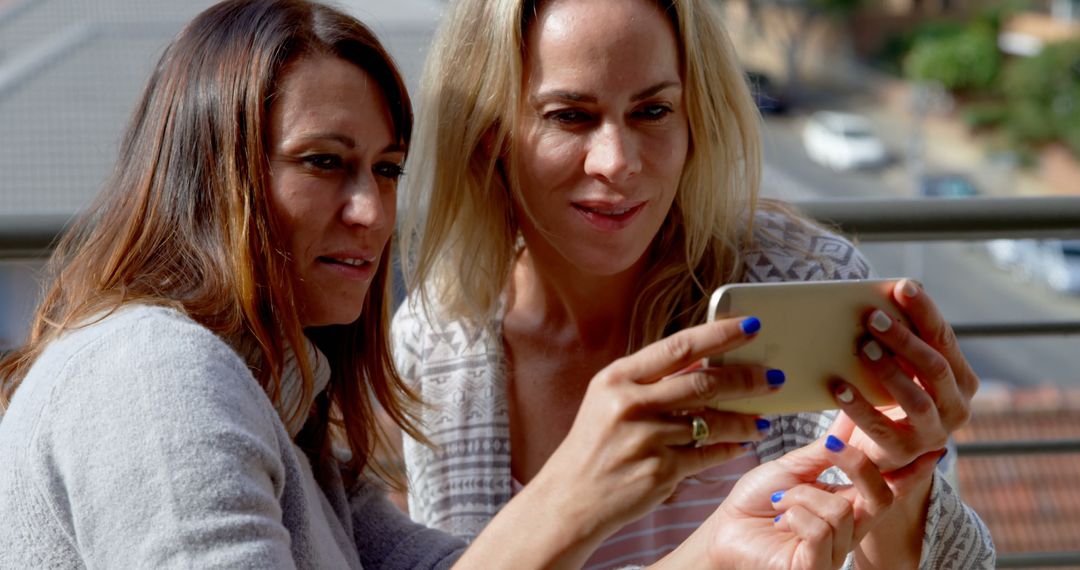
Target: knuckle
[
  {"x": 608, "y": 377},
  {"x": 938, "y": 367},
  {"x": 971, "y": 385},
  {"x": 922, "y": 406},
  {"x": 910, "y": 447},
  {"x": 677, "y": 347},
  {"x": 624, "y": 402},
  {"x": 943, "y": 337},
  {"x": 961, "y": 415},
  {"x": 703, "y": 385},
  {"x": 748, "y": 378},
  {"x": 663, "y": 474},
  {"x": 819, "y": 531},
  {"x": 882, "y": 434}
]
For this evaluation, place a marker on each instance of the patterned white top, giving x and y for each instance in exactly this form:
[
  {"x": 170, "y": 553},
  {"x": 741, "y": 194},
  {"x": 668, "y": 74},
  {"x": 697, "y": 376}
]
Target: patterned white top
[{"x": 460, "y": 484}]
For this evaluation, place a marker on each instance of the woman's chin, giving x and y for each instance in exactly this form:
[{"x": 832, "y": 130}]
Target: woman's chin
[
  {"x": 607, "y": 264},
  {"x": 336, "y": 317}
]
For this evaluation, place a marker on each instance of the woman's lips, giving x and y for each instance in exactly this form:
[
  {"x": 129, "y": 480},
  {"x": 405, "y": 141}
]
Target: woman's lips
[
  {"x": 608, "y": 217},
  {"x": 359, "y": 268}
]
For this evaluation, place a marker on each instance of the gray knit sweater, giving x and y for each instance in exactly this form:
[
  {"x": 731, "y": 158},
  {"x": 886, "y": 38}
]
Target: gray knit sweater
[{"x": 143, "y": 441}]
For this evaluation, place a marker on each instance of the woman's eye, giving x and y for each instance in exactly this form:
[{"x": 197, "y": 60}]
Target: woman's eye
[
  {"x": 568, "y": 116},
  {"x": 324, "y": 161},
  {"x": 654, "y": 112},
  {"x": 391, "y": 170}
]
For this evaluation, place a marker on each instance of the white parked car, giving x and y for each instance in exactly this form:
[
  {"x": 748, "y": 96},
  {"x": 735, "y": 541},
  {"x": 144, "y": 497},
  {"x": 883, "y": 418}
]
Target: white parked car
[
  {"x": 1053, "y": 262},
  {"x": 1021, "y": 257},
  {"x": 1063, "y": 265},
  {"x": 842, "y": 141}
]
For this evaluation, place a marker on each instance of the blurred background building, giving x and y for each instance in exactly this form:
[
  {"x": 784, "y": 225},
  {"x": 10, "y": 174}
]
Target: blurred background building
[{"x": 70, "y": 74}]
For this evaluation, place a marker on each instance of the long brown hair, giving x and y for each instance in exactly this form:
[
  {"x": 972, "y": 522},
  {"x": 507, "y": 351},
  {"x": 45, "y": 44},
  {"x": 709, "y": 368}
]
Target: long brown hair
[{"x": 185, "y": 221}]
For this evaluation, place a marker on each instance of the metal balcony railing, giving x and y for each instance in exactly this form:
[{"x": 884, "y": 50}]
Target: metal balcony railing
[
  {"x": 867, "y": 221},
  {"x": 974, "y": 219}
]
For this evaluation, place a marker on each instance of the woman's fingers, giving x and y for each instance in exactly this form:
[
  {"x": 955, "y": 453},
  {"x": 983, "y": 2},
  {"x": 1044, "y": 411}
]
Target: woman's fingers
[
  {"x": 933, "y": 328},
  {"x": 933, "y": 369},
  {"x": 835, "y": 511},
  {"x": 817, "y": 536},
  {"x": 680, "y": 350},
  {"x": 699, "y": 387},
  {"x": 874, "y": 494},
  {"x": 937, "y": 335},
  {"x": 719, "y": 427},
  {"x": 850, "y": 511},
  {"x": 880, "y": 428}
]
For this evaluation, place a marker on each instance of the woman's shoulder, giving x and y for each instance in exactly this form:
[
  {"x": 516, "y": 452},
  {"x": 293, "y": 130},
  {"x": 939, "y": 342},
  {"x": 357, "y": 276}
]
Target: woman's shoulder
[
  {"x": 790, "y": 247},
  {"x": 146, "y": 354},
  {"x": 142, "y": 336}
]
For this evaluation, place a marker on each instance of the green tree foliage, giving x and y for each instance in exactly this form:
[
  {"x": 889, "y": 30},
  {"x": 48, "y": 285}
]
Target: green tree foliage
[
  {"x": 966, "y": 59},
  {"x": 1043, "y": 96}
]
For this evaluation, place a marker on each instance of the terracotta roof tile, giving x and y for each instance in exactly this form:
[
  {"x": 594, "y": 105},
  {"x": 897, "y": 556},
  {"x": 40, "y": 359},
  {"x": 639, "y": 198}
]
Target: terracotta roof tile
[{"x": 1030, "y": 502}]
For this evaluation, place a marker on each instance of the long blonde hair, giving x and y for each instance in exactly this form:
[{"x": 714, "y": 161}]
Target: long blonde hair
[
  {"x": 185, "y": 220},
  {"x": 460, "y": 197}
]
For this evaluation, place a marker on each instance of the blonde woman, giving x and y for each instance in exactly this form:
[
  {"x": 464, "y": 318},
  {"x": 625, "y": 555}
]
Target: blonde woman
[{"x": 589, "y": 172}]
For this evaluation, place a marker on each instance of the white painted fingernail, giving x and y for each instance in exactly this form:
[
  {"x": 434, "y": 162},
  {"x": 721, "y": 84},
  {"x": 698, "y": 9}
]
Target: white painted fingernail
[
  {"x": 880, "y": 321},
  {"x": 873, "y": 351},
  {"x": 909, "y": 289},
  {"x": 845, "y": 395}
]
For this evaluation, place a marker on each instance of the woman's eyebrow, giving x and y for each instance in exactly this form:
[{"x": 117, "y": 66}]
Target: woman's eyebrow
[
  {"x": 649, "y": 92},
  {"x": 563, "y": 95},
  {"x": 337, "y": 137}
]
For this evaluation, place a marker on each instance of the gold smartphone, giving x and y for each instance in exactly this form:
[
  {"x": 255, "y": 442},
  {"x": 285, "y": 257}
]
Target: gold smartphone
[{"x": 811, "y": 330}]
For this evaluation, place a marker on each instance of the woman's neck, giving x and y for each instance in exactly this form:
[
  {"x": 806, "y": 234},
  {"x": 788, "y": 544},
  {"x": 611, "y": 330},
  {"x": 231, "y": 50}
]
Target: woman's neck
[{"x": 551, "y": 296}]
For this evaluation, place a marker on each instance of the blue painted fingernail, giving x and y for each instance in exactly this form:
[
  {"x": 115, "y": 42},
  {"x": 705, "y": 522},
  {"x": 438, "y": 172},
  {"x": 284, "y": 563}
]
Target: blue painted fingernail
[
  {"x": 833, "y": 443},
  {"x": 775, "y": 377},
  {"x": 777, "y": 519},
  {"x": 777, "y": 496},
  {"x": 939, "y": 459},
  {"x": 750, "y": 325},
  {"x": 763, "y": 424},
  {"x": 747, "y": 444}
]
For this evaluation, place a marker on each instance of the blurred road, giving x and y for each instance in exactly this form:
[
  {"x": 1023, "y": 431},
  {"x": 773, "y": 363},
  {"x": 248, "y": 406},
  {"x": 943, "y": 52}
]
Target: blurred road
[{"x": 958, "y": 275}]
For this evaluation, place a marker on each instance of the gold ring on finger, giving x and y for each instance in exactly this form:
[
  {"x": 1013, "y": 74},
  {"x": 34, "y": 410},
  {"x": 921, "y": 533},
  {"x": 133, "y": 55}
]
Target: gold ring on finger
[{"x": 699, "y": 430}]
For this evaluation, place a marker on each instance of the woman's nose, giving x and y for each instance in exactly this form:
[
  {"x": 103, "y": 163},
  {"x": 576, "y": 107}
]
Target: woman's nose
[
  {"x": 613, "y": 155},
  {"x": 365, "y": 204}
]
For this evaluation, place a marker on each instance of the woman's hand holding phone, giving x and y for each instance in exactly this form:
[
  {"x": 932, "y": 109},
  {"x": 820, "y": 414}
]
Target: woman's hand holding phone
[
  {"x": 632, "y": 435},
  {"x": 925, "y": 372},
  {"x": 632, "y": 440}
]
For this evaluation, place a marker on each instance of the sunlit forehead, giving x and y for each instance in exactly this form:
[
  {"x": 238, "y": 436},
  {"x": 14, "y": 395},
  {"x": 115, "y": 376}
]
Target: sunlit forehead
[
  {"x": 330, "y": 104},
  {"x": 601, "y": 49}
]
